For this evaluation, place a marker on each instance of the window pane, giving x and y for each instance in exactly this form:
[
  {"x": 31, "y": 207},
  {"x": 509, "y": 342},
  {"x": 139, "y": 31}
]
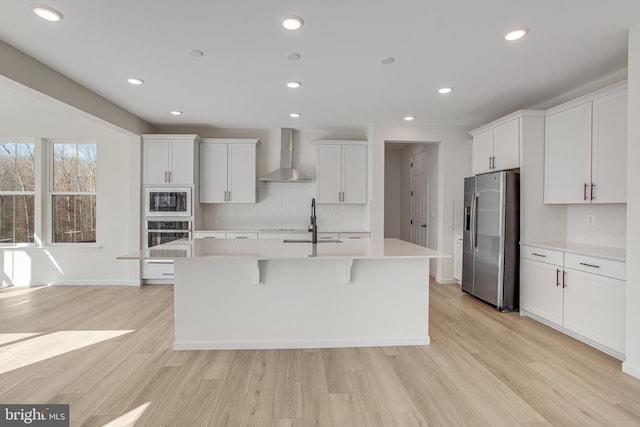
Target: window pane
[
  {"x": 16, "y": 218},
  {"x": 74, "y": 167},
  {"x": 17, "y": 166},
  {"x": 74, "y": 218}
]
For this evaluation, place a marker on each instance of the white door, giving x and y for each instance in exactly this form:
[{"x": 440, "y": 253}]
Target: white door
[
  {"x": 419, "y": 198},
  {"x": 156, "y": 161},
  {"x": 242, "y": 173},
  {"x": 609, "y": 163},
  {"x": 328, "y": 173},
  {"x": 354, "y": 174},
  {"x": 213, "y": 172},
  {"x": 181, "y": 158}
]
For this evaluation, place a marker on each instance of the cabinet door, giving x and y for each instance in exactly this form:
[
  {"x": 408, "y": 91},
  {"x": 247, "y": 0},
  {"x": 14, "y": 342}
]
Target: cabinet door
[
  {"x": 457, "y": 258},
  {"x": 482, "y": 152},
  {"x": 506, "y": 145},
  {"x": 213, "y": 172},
  {"x": 354, "y": 174},
  {"x": 156, "y": 161},
  {"x": 541, "y": 292},
  {"x": 241, "y": 176},
  {"x": 594, "y": 307},
  {"x": 567, "y": 154},
  {"x": 609, "y": 149},
  {"x": 181, "y": 161},
  {"x": 328, "y": 173}
]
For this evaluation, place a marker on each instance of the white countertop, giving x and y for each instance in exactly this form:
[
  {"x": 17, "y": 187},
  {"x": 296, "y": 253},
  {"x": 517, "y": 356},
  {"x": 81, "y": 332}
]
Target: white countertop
[
  {"x": 281, "y": 230},
  {"x": 273, "y": 249},
  {"x": 606, "y": 252}
]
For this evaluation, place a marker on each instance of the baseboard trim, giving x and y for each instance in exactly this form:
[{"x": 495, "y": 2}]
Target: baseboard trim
[
  {"x": 631, "y": 369},
  {"x": 86, "y": 283},
  {"x": 267, "y": 345}
]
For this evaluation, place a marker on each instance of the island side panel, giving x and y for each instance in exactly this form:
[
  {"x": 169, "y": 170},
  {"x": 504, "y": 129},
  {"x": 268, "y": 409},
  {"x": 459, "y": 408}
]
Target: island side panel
[{"x": 302, "y": 303}]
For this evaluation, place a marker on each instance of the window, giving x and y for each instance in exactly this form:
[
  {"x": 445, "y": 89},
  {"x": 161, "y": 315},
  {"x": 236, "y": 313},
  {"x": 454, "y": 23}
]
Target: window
[
  {"x": 17, "y": 191},
  {"x": 73, "y": 195}
]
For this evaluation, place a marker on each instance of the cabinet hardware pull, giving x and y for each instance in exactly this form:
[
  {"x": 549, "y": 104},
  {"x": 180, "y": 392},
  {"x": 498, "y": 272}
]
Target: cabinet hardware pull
[
  {"x": 592, "y": 187},
  {"x": 540, "y": 255},
  {"x": 229, "y": 192},
  {"x": 490, "y": 163},
  {"x": 494, "y": 161},
  {"x": 167, "y": 274},
  {"x": 589, "y": 265},
  {"x": 584, "y": 192},
  {"x": 169, "y": 176},
  {"x": 557, "y": 277},
  {"x": 564, "y": 282}
]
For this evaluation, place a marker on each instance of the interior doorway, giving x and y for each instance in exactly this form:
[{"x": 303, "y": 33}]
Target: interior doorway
[{"x": 411, "y": 196}]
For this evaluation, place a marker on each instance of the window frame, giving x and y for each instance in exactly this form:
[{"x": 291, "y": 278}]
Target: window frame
[
  {"x": 51, "y": 193},
  {"x": 35, "y": 193}
]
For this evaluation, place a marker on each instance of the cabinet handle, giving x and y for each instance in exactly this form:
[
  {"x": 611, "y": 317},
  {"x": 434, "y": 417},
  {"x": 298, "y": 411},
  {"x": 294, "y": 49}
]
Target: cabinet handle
[
  {"x": 494, "y": 161},
  {"x": 490, "y": 163},
  {"x": 584, "y": 191},
  {"x": 589, "y": 265},
  {"x": 564, "y": 282},
  {"x": 557, "y": 277},
  {"x": 540, "y": 255},
  {"x": 167, "y": 274},
  {"x": 165, "y": 176},
  {"x": 592, "y": 187},
  {"x": 169, "y": 176},
  {"x": 229, "y": 197}
]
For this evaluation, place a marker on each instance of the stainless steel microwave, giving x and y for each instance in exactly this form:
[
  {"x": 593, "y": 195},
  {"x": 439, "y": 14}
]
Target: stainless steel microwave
[{"x": 168, "y": 201}]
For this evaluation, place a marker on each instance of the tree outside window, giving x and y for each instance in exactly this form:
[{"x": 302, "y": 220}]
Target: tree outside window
[
  {"x": 73, "y": 196},
  {"x": 17, "y": 191}
]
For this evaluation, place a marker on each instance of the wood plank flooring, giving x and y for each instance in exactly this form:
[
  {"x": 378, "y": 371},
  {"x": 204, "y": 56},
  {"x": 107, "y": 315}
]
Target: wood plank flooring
[{"x": 107, "y": 351}]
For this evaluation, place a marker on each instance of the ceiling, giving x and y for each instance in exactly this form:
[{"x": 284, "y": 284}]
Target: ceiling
[{"x": 240, "y": 80}]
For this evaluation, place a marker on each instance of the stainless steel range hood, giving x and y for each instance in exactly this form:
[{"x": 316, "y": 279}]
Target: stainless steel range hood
[{"x": 286, "y": 172}]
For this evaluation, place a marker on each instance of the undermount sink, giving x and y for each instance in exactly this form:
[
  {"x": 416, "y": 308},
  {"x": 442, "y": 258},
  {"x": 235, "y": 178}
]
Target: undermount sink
[{"x": 309, "y": 241}]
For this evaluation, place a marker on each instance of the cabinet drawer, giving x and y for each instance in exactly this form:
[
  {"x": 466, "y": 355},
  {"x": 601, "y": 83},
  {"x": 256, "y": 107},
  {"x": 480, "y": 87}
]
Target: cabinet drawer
[
  {"x": 157, "y": 269},
  {"x": 208, "y": 235},
  {"x": 355, "y": 235},
  {"x": 242, "y": 235},
  {"x": 328, "y": 236},
  {"x": 603, "y": 267},
  {"x": 543, "y": 255}
]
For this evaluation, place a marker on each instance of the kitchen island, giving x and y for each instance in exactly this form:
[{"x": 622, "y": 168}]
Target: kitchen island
[{"x": 255, "y": 294}]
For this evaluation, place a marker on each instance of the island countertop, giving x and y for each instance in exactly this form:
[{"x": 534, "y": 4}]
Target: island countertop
[{"x": 273, "y": 249}]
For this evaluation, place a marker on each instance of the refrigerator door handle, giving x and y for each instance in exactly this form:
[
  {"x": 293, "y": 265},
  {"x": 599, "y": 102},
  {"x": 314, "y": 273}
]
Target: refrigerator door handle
[{"x": 474, "y": 221}]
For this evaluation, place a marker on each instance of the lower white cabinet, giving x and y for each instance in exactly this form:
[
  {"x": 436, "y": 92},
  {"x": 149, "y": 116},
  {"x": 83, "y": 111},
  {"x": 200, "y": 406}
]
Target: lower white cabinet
[
  {"x": 583, "y": 296},
  {"x": 157, "y": 269},
  {"x": 457, "y": 257}
]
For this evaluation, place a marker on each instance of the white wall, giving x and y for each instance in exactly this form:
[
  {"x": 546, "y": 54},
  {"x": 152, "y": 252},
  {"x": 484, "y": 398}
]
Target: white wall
[
  {"x": 608, "y": 229},
  {"x": 454, "y": 163},
  {"x": 118, "y": 212},
  {"x": 392, "y": 191},
  {"x": 632, "y": 362}
]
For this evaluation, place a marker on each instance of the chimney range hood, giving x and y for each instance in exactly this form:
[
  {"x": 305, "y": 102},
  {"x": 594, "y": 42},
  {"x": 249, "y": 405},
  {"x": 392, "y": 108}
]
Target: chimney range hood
[{"x": 286, "y": 172}]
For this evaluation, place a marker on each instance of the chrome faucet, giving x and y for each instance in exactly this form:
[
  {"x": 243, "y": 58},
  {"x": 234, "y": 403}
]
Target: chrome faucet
[{"x": 313, "y": 227}]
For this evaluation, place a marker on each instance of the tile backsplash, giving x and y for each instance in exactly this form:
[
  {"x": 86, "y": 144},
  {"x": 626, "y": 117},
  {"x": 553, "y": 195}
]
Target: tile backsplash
[{"x": 287, "y": 206}]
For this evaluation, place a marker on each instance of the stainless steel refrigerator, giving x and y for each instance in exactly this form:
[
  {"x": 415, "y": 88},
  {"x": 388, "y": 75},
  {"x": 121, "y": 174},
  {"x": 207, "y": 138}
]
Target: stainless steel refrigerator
[{"x": 491, "y": 237}]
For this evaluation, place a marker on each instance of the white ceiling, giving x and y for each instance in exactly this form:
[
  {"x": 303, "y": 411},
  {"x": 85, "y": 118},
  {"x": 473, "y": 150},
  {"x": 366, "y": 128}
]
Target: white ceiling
[{"x": 240, "y": 81}]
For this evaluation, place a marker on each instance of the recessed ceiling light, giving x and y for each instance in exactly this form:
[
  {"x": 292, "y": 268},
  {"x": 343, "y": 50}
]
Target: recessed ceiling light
[
  {"x": 135, "y": 81},
  {"x": 195, "y": 53},
  {"x": 387, "y": 60},
  {"x": 293, "y": 85},
  {"x": 176, "y": 113},
  {"x": 48, "y": 13},
  {"x": 294, "y": 115},
  {"x": 409, "y": 118},
  {"x": 516, "y": 34},
  {"x": 445, "y": 90},
  {"x": 292, "y": 22}
]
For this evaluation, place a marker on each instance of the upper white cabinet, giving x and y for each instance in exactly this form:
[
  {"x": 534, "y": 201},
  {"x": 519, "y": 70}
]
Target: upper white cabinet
[
  {"x": 585, "y": 149},
  {"x": 228, "y": 170},
  {"x": 497, "y": 146},
  {"x": 341, "y": 172},
  {"x": 169, "y": 159}
]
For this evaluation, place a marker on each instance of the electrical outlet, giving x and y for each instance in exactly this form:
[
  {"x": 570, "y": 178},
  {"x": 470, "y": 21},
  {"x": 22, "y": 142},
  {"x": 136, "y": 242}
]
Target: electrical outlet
[{"x": 591, "y": 219}]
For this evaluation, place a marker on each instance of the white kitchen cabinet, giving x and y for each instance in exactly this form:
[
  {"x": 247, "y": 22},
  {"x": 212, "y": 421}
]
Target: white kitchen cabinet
[
  {"x": 169, "y": 159},
  {"x": 497, "y": 147},
  {"x": 583, "y": 296},
  {"x": 585, "y": 149},
  {"x": 202, "y": 234},
  {"x": 457, "y": 257},
  {"x": 227, "y": 171},
  {"x": 341, "y": 172}
]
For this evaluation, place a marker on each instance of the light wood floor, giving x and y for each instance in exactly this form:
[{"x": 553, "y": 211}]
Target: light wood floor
[{"x": 106, "y": 351}]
